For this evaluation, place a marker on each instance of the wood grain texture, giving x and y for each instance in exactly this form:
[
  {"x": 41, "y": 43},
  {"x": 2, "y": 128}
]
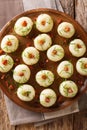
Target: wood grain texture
[
  {"x": 62, "y": 123},
  {"x": 68, "y": 6},
  {"x": 81, "y": 12}
]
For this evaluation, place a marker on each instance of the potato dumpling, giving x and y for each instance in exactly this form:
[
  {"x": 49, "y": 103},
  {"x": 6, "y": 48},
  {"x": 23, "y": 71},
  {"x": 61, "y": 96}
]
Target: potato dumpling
[
  {"x": 44, "y": 23},
  {"x": 68, "y": 89},
  {"x": 26, "y": 92},
  {"x": 9, "y": 43},
  {"x": 55, "y": 53},
  {"x": 65, "y": 69},
  {"x": 44, "y": 78},
  {"x": 66, "y": 29},
  {"x": 42, "y": 42},
  {"x": 23, "y": 26},
  {"x": 81, "y": 66},
  {"x": 21, "y": 73},
  {"x": 77, "y": 48},
  {"x": 30, "y": 55},
  {"x": 6, "y": 63},
  {"x": 48, "y": 97}
]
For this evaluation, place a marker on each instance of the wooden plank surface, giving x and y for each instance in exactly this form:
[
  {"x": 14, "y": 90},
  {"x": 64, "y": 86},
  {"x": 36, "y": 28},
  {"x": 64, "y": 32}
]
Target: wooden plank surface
[{"x": 76, "y": 121}]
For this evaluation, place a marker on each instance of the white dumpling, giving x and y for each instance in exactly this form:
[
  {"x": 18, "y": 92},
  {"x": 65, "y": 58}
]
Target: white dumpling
[
  {"x": 65, "y": 69},
  {"x": 66, "y": 30},
  {"x": 26, "y": 92},
  {"x": 30, "y": 55},
  {"x": 81, "y": 66},
  {"x": 44, "y": 23},
  {"x": 77, "y": 48},
  {"x": 21, "y": 73},
  {"x": 9, "y": 43},
  {"x": 55, "y": 53},
  {"x": 23, "y": 26},
  {"x": 48, "y": 97},
  {"x": 68, "y": 89},
  {"x": 42, "y": 42},
  {"x": 6, "y": 63},
  {"x": 44, "y": 78}
]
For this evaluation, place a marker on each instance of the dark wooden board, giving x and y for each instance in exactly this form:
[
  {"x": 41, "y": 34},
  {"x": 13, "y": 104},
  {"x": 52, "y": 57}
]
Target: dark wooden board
[{"x": 35, "y": 105}]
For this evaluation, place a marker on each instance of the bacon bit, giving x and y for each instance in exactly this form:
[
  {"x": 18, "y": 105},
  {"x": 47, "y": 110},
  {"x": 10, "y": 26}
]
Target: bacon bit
[
  {"x": 79, "y": 46},
  {"x": 70, "y": 90},
  {"x": 24, "y": 23},
  {"x": 3, "y": 76},
  {"x": 59, "y": 21},
  {"x": 1, "y": 51},
  {"x": 4, "y": 62},
  {"x": 41, "y": 42},
  {"x": 65, "y": 40},
  {"x": 67, "y": 29},
  {"x": 80, "y": 82},
  {"x": 17, "y": 60},
  {"x": 9, "y": 43},
  {"x": 54, "y": 52},
  {"x": 85, "y": 65},
  {"x": 31, "y": 56},
  {"x": 66, "y": 68},
  {"x": 47, "y": 99},
  {"x": 21, "y": 74},
  {"x": 35, "y": 19},
  {"x": 43, "y": 23},
  {"x": 47, "y": 61},
  {"x": 11, "y": 87},
  {"x": 44, "y": 77},
  {"x": 6, "y": 82},
  {"x": 60, "y": 99},
  {"x": 28, "y": 44},
  {"x": 31, "y": 67}
]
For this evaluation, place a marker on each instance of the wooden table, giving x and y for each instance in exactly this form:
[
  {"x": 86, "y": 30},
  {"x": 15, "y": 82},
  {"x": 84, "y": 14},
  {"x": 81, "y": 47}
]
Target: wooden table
[{"x": 78, "y": 10}]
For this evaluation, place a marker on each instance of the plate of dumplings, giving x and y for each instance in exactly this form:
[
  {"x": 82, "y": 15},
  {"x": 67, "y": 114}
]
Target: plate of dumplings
[{"x": 43, "y": 60}]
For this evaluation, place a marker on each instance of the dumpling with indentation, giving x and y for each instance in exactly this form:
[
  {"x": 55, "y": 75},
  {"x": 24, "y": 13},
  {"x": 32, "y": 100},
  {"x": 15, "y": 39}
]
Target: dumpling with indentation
[
  {"x": 23, "y": 26},
  {"x": 55, "y": 53},
  {"x": 65, "y": 69},
  {"x": 45, "y": 78},
  {"x": 6, "y": 63},
  {"x": 44, "y": 23},
  {"x": 42, "y": 42},
  {"x": 48, "y": 97},
  {"x": 66, "y": 29},
  {"x": 68, "y": 89},
  {"x": 21, "y": 73},
  {"x": 26, "y": 92},
  {"x": 9, "y": 43},
  {"x": 77, "y": 47},
  {"x": 81, "y": 66},
  {"x": 30, "y": 55}
]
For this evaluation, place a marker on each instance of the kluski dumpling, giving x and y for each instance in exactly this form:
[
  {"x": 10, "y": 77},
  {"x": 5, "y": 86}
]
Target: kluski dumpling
[
  {"x": 81, "y": 66},
  {"x": 55, "y": 53},
  {"x": 23, "y": 26},
  {"x": 26, "y": 92},
  {"x": 48, "y": 97},
  {"x": 66, "y": 30},
  {"x": 44, "y": 23},
  {"x": 42, "y": 42},
  {"x": 65, "y": 69},
  {"x": 6, "y": 63},
  {"x": 44, "y": 78},
  {"x": 68, "y": 89},
  {"x": 9, "y": 43},
  {"x": 77, "y": 48},
  {"x": 30, "y": 55},
  {"x": 21, "y": 73}
]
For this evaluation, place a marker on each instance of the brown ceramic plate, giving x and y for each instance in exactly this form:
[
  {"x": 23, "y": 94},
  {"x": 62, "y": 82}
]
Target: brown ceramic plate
[{"x": 6, "y": 79}]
